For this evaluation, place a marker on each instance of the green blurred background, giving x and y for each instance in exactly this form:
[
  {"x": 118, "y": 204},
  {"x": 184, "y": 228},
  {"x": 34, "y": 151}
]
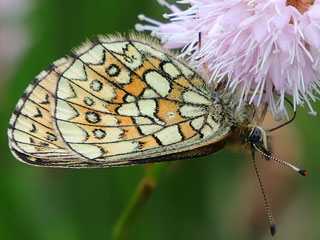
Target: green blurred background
[{"x": 216, "y": 197}]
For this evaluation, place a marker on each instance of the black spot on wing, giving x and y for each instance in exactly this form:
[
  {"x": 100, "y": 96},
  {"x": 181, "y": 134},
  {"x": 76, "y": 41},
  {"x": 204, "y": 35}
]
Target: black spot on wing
[
  {"x": 46, "y": 100},
  {"x": 93, "y": 117},
  {"x": 39, "y": 114},
  {"x": 34, "y": 129},
  {"x": 113, "y": 70}
]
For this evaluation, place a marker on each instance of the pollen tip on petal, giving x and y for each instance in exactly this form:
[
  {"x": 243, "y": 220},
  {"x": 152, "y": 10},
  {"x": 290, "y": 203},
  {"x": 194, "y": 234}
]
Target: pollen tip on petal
[
  {"x": 139, "y": 27},
  {"x": 313, "y": 113},
  {"x": 164, "y": 3},
  {"x": 141, "y": 17}
]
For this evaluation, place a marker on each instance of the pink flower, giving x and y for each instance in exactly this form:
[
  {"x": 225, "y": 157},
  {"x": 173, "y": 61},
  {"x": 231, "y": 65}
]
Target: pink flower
[{"x": 267, "y": 48}]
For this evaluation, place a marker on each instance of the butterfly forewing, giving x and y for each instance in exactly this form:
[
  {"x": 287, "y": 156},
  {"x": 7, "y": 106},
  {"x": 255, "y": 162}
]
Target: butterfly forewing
[
  {"x": 114, "y": 102},
  {"x": 31, "y": 129}
]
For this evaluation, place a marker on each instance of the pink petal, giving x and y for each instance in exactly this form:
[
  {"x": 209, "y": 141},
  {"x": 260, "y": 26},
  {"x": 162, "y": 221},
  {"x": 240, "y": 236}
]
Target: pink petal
[
  {"x": 314, "y": 11},
  {"x": 275, "y": 73},
  {"x": 285, "y": 39},
  {"x": 171, "y": 28},
  {"x": 312, "y": 35},
  {"x": 234, "y": 16},
  {"x": 259, "y": 30}
]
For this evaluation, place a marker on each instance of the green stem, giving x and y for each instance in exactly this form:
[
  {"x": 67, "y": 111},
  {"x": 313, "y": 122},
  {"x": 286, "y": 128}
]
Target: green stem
[{"x": 127, "y": 219}]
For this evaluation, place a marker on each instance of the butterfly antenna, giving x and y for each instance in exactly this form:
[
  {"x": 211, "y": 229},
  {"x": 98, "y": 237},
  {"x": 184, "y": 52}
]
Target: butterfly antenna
[
  {"x": 301, "y": 171},
  {"x": 273, "y": 228},
  {"x": 287, "y": 122}
]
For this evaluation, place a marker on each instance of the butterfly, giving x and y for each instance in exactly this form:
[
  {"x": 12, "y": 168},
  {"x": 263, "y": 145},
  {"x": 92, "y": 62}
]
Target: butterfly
[
  {"x": 121, "y": 101},
  {"x": 118, "y": 102}
]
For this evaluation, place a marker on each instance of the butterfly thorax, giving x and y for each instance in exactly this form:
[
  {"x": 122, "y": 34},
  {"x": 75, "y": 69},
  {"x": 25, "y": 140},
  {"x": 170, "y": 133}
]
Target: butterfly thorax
[{"x": 243, "y": 122}]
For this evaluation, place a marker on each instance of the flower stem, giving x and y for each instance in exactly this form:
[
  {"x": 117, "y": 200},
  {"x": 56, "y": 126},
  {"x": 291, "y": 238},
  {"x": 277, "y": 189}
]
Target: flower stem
[{"x": 125, "y": 223}]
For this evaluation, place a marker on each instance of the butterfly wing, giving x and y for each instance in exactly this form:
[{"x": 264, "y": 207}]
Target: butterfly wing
[
  {"x": 31, "y": 131},
  {"x": 116, "y": 102}
]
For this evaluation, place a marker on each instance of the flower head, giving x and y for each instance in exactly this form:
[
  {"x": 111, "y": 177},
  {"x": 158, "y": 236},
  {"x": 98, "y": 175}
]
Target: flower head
[{"x": 265, "y": 48}]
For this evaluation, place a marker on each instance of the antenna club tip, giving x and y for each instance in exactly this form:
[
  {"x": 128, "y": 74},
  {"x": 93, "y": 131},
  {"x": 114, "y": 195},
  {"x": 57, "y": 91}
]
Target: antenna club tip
[
  {"x": 303, "y": 172},
  {"x": 273, "y": 229}
]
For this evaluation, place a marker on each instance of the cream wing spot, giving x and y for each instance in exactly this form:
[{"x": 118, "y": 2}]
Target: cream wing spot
[
  {"x": 99, "y": 133},
  {"x": 76, "y": 71},
  {"x": 171, "y": 70},
  {"x": 130, "y": 98},
  {"x": 149, "y": 93},
  {"x": 198, "y": 123},
  {"x": 184, "y": 70},
  {"x": 89, "y": 151},
  {"x": 159, "y": 83},
  {"x": 142, "y": 120},
  {"x": 128, "y": 109},
  {"x": 96, "y": 85},
  {"x": 147, "y": 107},
  {"x": 121, "y": 147},
  {"x": 65, "y": 111},
  {"x": 65, "y": 90},
  {"x": 149, "y": 129},
  {"x": 113, "y": 134},
  {"x": 88, "y": 101},
  {"x": 93, "y": 117},
  {"x": 71, "y": 132},
  {"x": 192, "y": 111},
  {"x": 195, "y": 98},
  {"x": 94, "y": 56},
  {"x": 206, "y": 131},
  {"x": 169, "y": 135},
  {"x": 113, "y": 70}
]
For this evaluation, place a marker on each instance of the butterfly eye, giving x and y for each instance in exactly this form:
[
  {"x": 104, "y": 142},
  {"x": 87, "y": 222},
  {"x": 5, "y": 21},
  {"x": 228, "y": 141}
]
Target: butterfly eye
[{"x": 255, "y": 135}]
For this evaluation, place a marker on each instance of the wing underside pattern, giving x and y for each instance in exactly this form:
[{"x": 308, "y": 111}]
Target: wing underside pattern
[{"x": 115, "y": 102}]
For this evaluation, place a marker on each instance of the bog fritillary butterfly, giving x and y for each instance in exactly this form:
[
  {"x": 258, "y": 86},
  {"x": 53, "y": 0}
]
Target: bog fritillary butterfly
[
  {"x": 125, "y": 101},
  {"x": 119, "y": 101}
]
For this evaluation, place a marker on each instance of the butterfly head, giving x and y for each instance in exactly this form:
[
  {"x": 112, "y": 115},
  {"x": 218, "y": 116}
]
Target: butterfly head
[{"x": 258, "y": 139}]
